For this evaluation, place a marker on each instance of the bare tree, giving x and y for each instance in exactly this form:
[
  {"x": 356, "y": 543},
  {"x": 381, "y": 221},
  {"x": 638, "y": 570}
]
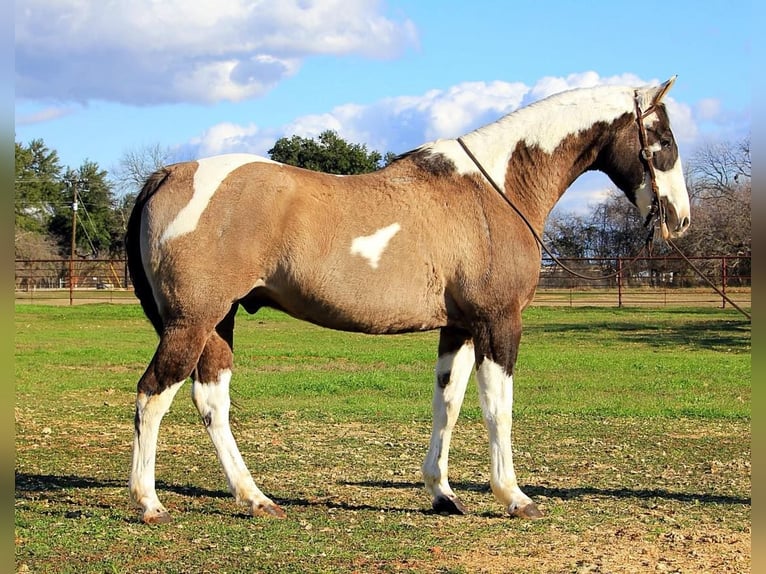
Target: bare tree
[
  {"x": 718, "y": 169},
  {"x": 136, "y": 165},
  {"x": 720, "y": 182}
]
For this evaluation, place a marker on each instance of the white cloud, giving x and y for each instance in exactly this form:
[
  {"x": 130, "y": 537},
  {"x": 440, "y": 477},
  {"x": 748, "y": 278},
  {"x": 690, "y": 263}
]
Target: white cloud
[
  {"x": 44, "y": 115},
  {"x": 550, "y": 85},
  {"x": 148, "y": 52},
  {"x": 682, "y": 120},
  {"x": 225, "y": 137},
  {"x": 393, "y": 124},
  {"x": 708, "y": 109},
  {"x": 402, "y": 123}
]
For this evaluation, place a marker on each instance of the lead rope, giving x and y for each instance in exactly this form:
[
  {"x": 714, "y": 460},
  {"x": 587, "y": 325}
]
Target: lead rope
[
  {"x": 649, "y": 239},
  {"x": 708, "y": 281},
  {"x": 534, "y": 233}
]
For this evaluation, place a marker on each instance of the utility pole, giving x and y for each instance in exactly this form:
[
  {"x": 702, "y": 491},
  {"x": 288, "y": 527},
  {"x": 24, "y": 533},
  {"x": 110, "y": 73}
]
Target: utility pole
[{"x": 71, "y": 253}]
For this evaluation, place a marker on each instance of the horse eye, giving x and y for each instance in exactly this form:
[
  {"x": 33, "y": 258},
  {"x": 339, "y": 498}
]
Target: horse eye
[{"x": 666, "y": 143}]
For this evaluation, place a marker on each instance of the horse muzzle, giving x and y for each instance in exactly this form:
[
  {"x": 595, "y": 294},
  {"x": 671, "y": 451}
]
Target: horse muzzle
[{"x": 675, "y": 222}]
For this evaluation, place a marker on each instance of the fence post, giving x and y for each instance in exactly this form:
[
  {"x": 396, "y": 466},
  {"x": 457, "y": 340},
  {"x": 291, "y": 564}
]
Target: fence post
[
  {"x": 724, "y": 272},
  {"x": 619, "y": 281}
]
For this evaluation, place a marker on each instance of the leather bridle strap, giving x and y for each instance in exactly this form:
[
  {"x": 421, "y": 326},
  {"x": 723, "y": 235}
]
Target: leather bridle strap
[{"x": 658, "y": 209}]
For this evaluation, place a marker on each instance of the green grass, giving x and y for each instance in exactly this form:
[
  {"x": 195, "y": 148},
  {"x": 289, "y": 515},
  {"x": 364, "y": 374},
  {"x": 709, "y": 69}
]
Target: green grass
[
  {"x": 632, "y": 431},
  {"x": 594, "y": 361}
]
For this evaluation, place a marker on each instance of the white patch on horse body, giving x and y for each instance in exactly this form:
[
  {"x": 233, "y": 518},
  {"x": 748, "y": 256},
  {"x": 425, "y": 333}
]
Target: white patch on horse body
[
  {"x": 371, "y": 247},
  {"x": 210, "y": 174},
  {"x": 544, "y": 124},
  {"x": 645, "y": 196}
]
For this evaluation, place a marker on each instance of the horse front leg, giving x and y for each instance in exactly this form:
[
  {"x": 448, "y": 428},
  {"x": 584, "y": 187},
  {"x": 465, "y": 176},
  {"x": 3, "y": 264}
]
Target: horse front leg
[
  {"x": 453, "y": 369},
  {"x": 210, "y": 394},
  {"x": 495, "y": 357}
]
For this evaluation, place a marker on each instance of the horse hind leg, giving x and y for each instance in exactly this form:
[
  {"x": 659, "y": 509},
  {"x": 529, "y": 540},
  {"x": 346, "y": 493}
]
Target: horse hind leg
[
  {"x": 453, "y": 369},
  {"x": 210, "y": 394},
  {"x": 171, "y": 365}
]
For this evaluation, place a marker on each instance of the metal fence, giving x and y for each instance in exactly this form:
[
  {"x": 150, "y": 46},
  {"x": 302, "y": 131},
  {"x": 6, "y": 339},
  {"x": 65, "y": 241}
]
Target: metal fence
[{"x": 650, "y": 281}]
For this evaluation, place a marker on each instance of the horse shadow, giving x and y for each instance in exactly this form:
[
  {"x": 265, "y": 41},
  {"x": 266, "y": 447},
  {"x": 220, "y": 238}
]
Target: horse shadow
[{"x": 59, "y": 488}]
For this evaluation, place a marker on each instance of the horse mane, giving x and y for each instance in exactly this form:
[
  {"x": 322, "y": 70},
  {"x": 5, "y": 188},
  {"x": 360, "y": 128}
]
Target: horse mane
[{"x": 143, "y": 288}]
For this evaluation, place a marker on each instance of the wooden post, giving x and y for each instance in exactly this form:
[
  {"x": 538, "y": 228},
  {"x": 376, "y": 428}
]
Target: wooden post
[
  {"x": 619, "y": 281},
  {"x": 724, "y": 280},
  {"x": 72, "y": 250}
]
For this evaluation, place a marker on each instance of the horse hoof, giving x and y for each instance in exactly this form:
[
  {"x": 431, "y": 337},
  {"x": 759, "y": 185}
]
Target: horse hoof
[
  {"x": 156, "y": 517},
  {"x": 529, "y": 511},
  {"x": 447, "y": 505},
  {"x": 268, "y": 511}
]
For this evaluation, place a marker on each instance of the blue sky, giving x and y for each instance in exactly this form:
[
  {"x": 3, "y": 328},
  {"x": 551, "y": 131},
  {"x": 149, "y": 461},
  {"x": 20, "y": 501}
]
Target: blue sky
[{"x": 96, "y": 79}]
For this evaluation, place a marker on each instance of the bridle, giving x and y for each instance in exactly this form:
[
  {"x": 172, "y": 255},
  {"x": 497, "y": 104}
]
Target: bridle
[{"x": 656, "y": 212}]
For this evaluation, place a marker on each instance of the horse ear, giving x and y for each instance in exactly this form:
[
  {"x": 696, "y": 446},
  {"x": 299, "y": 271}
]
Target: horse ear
[
  {"x": 649, "y": 96},
  {"x": 663, "y": 89}
]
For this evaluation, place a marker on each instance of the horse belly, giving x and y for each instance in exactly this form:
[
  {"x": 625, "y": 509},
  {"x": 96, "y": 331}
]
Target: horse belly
[{"x": 351, "y": 298}]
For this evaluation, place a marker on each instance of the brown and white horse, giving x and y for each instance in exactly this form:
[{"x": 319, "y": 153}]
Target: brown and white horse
[{"x": 425, "y": 243}]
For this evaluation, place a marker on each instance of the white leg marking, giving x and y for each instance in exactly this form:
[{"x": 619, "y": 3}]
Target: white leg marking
[
  {"x": 210, "y": 173},
  {"x": 446, "y": 408},
  {"x": 212, "y": 401},
  {"x": 371, "y": 247},
  {"x": 496, "y": 398},
  {"x": 149, "y": 410}
]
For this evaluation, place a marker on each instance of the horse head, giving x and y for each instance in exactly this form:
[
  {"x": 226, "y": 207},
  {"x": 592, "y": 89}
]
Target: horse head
[{"x": 645, "y": 164}]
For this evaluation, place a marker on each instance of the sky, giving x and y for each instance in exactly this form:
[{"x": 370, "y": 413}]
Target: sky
[{"x": 97, "y": 79}]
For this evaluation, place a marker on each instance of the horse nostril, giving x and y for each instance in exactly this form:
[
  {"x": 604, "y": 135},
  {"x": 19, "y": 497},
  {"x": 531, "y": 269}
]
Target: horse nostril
[{"x": 685, "y": 223}]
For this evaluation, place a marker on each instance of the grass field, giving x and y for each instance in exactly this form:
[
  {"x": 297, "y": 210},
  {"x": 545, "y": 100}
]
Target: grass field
[{"x": 632, "y": 432}]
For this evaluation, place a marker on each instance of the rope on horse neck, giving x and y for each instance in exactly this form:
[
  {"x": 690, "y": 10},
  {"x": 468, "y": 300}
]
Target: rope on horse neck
[
  {"x": 649, "y": 239},
  {"x": 558, "y": 261}
]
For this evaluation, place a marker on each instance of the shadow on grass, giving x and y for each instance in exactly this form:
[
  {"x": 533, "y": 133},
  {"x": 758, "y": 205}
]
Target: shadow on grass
[
  {"x": 32, "y": 485},
  {"x": 726, "y": 333},
  {"x": 577, "y": 492}
]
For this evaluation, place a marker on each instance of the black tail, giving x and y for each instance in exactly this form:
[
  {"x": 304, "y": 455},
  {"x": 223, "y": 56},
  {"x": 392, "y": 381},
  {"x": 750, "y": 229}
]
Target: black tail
[{"x": 141, "y": 284}]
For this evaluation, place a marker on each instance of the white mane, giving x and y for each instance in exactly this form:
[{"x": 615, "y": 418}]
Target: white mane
[{"x": 562, "y": 114}]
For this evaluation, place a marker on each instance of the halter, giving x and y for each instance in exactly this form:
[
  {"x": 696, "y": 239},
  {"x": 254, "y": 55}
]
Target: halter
[{"x": 657, "y": 210}]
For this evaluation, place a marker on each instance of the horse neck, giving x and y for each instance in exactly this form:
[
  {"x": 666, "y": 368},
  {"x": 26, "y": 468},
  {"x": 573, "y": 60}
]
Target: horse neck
[{"x": 538, "y": 151}]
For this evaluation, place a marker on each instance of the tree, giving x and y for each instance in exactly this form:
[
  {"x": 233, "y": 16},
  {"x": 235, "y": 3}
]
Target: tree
[
  {"x": 719, "y": 169},
  {"x": 721, "y": 186},
  {"x": 136, "y": 165},
  {"x": 619, "y": 228},
  {"x": 37, "y": 185},
  {"x": 568, "y": 235},
  {"x": 98, "y": 232},
  {"x": 328, "y": 153}
]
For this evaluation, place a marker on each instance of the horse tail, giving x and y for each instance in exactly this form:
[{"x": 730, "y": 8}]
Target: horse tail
[{"x": 141, "y": 285}]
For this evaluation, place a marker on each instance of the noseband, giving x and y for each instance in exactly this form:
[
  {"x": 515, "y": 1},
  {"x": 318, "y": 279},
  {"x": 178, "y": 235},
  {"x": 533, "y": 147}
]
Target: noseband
[{"x": 657, "y": 210}]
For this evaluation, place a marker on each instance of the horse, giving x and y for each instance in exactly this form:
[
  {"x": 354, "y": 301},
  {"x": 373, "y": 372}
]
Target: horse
[{"x": 428, "y": 242}]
